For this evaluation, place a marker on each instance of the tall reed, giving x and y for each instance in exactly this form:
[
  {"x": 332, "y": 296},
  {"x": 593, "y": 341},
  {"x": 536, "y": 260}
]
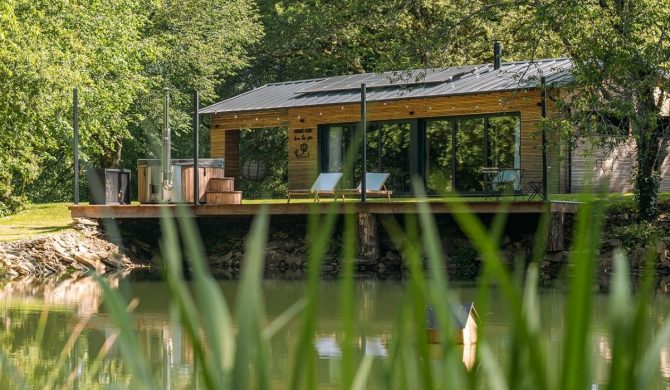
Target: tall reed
[{"x": 235, "y": 354}]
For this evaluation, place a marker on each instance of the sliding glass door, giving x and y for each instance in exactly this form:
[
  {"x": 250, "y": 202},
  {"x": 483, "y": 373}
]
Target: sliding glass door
[
  {"x": 388, "y": 150},
  {"x": 448, "y": 152},
  {"x": 458, "y": 148},
  {"x": 337, "y": 146},
  {"x": 470, "y": 156},
  {"x": 439, "y": 171},
  {"x": 503, "y": 137}
]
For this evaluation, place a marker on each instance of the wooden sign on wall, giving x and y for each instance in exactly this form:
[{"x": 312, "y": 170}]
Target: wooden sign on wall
[
  {"x": 304, "y": 143},
  {"x": 302, "y": 157}
]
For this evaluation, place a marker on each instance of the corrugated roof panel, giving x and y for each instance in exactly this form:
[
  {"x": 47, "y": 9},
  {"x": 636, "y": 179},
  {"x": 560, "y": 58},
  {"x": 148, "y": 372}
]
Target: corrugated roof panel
[
  {"x": 441, "y": 82},
  {"x": 388, "y": 79}
]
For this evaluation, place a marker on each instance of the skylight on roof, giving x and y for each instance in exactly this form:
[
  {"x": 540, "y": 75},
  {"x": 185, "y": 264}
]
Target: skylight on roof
[{"x": 389, "y": 79}]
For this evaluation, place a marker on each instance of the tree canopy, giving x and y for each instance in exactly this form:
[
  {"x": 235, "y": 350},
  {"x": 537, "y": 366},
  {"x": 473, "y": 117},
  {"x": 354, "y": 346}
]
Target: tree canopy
[{"x": 121, "y": 54}]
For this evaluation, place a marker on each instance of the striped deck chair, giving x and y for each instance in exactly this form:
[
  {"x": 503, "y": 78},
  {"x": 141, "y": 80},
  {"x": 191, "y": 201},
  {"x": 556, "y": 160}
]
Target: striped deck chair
[
  {"x": 375, "y": 183},
  {"x": 324, "y": 184}
]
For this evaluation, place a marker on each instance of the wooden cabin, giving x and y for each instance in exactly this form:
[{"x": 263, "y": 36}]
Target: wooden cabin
[{"x": 442, "y": 124}]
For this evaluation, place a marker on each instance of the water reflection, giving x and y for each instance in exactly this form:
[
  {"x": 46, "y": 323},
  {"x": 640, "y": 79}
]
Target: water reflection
[
  {"x": 665, "y": 362},
  {"x": 79, "y": 292},
  {"x": 37, "y": 319}
]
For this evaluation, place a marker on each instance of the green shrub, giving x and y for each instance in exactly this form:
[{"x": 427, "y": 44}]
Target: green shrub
[
  {"x": 465, "y": 264},
  {"x": 636, "y": 235},
  {"x": 11, "y": 204}
]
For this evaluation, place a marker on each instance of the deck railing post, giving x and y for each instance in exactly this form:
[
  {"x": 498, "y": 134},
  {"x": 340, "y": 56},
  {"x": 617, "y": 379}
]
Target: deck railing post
[
  {"x": 196, "y": 148},
  {"x": 543, "y": 104},
  {"x": 75, "y": 143},
  {"x": 364, "y": 115}
]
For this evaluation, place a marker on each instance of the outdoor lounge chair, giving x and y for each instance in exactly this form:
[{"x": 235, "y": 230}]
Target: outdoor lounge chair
[
  {"x": 502, "y": 181},
  {"x": 324, "y": 184},
  {"x": 508, "y": 180},
  {"x": 375, "y": 184}
]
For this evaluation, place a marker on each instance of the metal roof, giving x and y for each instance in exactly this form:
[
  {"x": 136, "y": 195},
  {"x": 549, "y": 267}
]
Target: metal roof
[{"x": 421, "y": 83}]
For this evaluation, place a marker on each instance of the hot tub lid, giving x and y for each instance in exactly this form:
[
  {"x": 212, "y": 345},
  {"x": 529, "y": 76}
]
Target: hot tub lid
[
  {"x": 149, "y": 162},
  {"x": 202, "y": 162}
]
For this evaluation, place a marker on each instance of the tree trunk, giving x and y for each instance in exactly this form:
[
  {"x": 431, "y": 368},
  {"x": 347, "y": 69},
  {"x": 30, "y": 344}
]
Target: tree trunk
[
  {"x": 647, "y": 177},
  {"x": 650, "y": 155},
  {"x": 112, "y": 158}
]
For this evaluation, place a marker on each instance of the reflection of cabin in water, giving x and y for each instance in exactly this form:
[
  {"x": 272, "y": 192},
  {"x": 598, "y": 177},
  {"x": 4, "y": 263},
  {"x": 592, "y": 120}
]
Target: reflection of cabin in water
[{"x": 443, "y": 124}]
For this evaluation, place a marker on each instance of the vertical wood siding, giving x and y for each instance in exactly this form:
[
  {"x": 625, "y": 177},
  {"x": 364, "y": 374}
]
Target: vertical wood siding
[{"x": 612, "y": 168}]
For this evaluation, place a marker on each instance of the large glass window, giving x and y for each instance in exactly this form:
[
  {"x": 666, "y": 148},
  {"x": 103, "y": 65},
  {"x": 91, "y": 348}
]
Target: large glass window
[
  {"x": 337, "y": 147},
  {"x": 503, "y": 137},
  {"x": 449, "y": 152},
  {"x": 388, "y": 150},
  {"x": 439, "y": 158},
  {"x": 458, "y": 148},
  {"x": 470, "y": 156},
  {"x": 336, "y": 152}
]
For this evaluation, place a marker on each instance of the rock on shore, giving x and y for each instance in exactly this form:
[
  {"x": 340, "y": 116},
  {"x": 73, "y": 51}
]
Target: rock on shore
[{"x": 80, "y": 250}]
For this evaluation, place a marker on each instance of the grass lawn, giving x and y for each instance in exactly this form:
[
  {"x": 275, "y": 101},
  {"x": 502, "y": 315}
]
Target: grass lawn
[{"x": 36, "y": 219}]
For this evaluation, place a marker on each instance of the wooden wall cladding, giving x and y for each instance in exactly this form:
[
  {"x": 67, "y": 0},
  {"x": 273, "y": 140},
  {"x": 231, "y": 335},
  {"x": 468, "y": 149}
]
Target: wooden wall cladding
[
  {"x": 249, "y": 120},
  {"x": 303, "y": 156},
  {"x": 614, "y": 168},
  {"x": 217, "y": 143},
  {"x": 232, "y": 153},
  {"x": 303, "y": 151},
  {"x": 226, "y": 144}
]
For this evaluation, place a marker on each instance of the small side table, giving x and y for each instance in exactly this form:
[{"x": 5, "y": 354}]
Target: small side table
[{"x": 535, "y": 190}]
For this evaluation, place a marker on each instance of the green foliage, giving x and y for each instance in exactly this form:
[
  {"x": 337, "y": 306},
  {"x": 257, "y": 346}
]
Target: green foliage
[
  {"x": 12, "y": 204},
  {"x": 196, "y": 45},
  {"x": 56, "y": 46},
  {"x": 637, "y": 235},
  {"x": 120, "y": 54},
  {"x": 465, "y": 263},
  {"x": 620, "y": 57}
]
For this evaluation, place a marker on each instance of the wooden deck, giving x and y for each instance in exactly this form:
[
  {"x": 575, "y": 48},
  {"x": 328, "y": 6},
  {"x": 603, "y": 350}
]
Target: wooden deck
[{"x": 479, "y": 207}]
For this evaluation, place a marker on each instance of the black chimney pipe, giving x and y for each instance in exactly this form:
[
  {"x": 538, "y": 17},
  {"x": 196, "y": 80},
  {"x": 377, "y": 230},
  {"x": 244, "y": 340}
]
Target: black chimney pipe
[{"x": 497, "y": 55}]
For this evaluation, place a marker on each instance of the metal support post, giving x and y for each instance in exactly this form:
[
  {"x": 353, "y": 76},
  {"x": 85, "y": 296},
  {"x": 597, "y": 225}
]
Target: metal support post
[{"x": 364, "y": 113}]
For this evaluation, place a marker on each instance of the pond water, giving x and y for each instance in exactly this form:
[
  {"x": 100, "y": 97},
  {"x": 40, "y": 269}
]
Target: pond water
[{"x": 31, "y": 351}]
